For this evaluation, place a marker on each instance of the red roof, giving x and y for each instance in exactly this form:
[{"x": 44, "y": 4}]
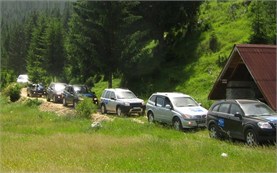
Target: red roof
[{"x": 260, "y": 60}]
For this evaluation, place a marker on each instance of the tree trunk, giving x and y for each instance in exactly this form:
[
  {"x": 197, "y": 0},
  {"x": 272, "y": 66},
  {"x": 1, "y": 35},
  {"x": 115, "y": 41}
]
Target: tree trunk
[{"x": 110, "y": 80}]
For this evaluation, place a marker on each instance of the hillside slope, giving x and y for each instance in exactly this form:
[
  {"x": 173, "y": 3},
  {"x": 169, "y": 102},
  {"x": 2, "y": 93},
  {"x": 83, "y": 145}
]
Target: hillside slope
[{"x": 223, "y": 24}]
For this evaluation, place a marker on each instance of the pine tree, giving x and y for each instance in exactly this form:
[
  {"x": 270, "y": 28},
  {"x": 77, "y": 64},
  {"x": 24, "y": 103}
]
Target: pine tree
[{"x": 36, "y": 61}]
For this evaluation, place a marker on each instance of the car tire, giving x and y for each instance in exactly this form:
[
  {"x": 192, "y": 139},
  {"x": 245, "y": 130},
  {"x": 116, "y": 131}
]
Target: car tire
[
  {"x": 64, "y": 102},
  {"x": 150, "y": 117},
  {"x": 118, "y": 111},
  {"x": 213, "y": 131},
  {"x": 251, "y": 137},
  {"x": 177, "y": 124},
  {"x": 103, "y": 109}
]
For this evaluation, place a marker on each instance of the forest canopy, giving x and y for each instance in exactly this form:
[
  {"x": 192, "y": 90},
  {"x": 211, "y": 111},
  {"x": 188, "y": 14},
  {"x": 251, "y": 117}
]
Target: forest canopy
[{"x": 83, "y": 41}]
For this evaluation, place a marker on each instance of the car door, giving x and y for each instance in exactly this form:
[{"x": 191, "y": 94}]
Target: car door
[
  {"x": 159, "y": 110},
  {"x": 235, "y": 123},
  {"x": 111, "y": 106},
  {"x": 70, "y": 95},
  {"x": 223, "y": 118},
  {"x": 167, "y": 114},
  {"x": 105, "y": 99}
]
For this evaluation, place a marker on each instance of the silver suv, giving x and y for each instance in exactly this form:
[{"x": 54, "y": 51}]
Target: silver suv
[
  {"x": 121, "y": 101},
  {"x": 176, "y": 109}
]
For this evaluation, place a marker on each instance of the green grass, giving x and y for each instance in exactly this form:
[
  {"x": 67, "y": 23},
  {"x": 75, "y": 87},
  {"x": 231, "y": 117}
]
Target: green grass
[
  {"x": 101, "y": 85},
  {"x": 33, "y": 141}
]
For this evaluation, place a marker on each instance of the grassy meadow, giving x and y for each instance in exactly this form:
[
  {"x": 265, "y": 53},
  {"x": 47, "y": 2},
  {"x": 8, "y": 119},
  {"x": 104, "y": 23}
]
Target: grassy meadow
[{"x": 34, "y": 141}]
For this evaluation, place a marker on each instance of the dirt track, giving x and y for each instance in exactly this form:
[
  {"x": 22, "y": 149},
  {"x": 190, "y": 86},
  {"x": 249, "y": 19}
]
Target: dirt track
[{"x": 61, "y": 110}]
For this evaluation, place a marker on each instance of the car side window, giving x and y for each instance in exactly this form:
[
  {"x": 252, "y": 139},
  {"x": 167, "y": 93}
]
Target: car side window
[
  {"x": 234, "y": 109},
  {"x": 160, "y": 102},
  {"x": 107, "y": 94},
  {"x": 167, "y": 102},
  {"x": 224, "y": 107},
  {"x": 112, "y": 95},
  {"x": 215, "y": 109},
  {"x": 153, "y": 98}
]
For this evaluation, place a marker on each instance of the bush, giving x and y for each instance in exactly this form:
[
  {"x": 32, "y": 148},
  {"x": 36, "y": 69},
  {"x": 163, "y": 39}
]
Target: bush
[
  {"x": 33, "y": 102},
  {"x": 13, "y": 91},
  {"x": 85, "y": 108}
]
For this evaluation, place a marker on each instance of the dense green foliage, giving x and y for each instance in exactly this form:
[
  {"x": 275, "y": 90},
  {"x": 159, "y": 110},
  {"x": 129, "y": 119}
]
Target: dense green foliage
[
  {"x": 180, "y": 48},
  {"x": 12, "y": 91},
  {"x": 34, "y": 141},
  {"x": 85, "y": 108}
]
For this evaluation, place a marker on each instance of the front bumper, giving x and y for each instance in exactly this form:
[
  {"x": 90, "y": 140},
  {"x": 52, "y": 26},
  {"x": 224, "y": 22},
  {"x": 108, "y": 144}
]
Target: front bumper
[
  {"x": 133, "y": 109},
  {"x": 266, "y": 135},
  {"x": 193, "y": 123}
]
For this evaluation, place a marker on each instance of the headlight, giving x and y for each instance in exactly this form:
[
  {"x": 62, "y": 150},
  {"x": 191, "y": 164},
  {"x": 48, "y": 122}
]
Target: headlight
[
  {"x": 186, "y": 116},
  {"x": 126, "y": 104},
  {"x": 264, "y": 125},
  {"x": 142, "y": 103}
]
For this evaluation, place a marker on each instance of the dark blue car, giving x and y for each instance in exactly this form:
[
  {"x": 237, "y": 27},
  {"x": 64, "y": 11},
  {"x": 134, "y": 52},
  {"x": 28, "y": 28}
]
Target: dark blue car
[{"x": 72, "y": 94}]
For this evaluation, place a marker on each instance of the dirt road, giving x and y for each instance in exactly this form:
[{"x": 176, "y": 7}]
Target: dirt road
[{"x": 61, "y": 110}]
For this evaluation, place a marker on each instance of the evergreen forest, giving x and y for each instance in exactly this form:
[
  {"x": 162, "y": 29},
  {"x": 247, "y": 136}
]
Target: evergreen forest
[{"x": 149, "y": 45}]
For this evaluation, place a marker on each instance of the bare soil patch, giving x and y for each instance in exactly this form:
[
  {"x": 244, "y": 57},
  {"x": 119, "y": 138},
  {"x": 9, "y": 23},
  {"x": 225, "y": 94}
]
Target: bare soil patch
[{"x": 61, "y": 110}]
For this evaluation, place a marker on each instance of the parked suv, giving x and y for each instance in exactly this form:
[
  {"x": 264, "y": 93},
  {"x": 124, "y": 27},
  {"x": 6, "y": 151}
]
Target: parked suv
[
  {"x": 72, "y": 94},
  {"x": 35, "y": 90},
  {"x": 249, "y": 120},
  {"x": 121, "y": 101},
  {"x": 176, "y": 109},
  {"x": 54, "y": 92}
]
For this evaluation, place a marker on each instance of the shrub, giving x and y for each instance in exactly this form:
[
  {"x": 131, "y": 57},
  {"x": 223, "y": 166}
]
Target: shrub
[
  {"x": 85, "y": 108},
  {"x": 13, "y": 91},
  {"x": 33, "y": 102}
]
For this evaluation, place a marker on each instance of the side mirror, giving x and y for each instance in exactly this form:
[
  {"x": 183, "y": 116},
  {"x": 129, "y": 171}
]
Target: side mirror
[
  {"x": 237, "y": 114},
  {"x": 168, "y": 106},
  {"x": 112, "y": 98},
  {"x": 200, "y": 104}
]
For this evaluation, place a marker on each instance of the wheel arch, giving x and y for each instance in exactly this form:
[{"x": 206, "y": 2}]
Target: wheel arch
[
  {"x": 248, "y": 127},
  {"x": 210, "y": 123}
]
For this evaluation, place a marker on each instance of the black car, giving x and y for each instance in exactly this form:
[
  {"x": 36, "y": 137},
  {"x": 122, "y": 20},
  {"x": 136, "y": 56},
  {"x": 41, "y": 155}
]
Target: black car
[
  {"x": 54, "y": 92},
  {"x": 35, "y": 90},
  {"x": 248, "y": 120},
  {"x": 72, "y": 94}
]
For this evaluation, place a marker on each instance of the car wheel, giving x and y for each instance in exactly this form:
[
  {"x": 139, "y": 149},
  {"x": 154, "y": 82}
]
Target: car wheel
[
  {"x": 64, "y": 102},
  {"x": 251, "y": 138},
  {"x": 150, "y": 117},
  {"x": 177, "y": 124},
  {"x": 103, "y": 109},
  {"x": 213, "y": 132},
  {"x": 118, "y": 111}
]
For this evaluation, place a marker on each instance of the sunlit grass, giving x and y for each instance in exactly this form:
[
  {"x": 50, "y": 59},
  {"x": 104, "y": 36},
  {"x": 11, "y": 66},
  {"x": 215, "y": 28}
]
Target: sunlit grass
[{"x": 48, "y": 143}]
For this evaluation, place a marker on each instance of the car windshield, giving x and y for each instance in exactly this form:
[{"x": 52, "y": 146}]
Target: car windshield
[
  {"x": 183, "y": 102},
  {"x": 81, "y": 89},
  {"x": 256, "y": 109},
  {"x": 59, "y": 87},
  {"x": 23, "y": 77},
  {"x": 126, "y": 95}
]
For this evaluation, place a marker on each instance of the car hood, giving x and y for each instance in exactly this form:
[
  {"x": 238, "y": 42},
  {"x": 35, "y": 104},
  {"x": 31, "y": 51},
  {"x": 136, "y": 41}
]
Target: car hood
[
  {"x": 90, "y": 95},
  {"x": 192, "y": 111},
  {"x": 271, "y": 118},
  {"x": 135, "y": 100}
]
